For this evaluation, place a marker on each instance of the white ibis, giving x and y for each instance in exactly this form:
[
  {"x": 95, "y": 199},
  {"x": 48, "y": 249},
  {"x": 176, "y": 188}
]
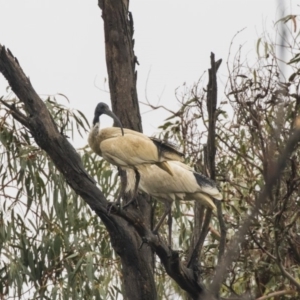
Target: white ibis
[
  {"x": 128, "y": 148},
  {"x": 185, "y": 184}
]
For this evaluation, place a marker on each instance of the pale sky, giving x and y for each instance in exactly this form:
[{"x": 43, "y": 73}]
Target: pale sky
[{"x": 60, "y": 45}]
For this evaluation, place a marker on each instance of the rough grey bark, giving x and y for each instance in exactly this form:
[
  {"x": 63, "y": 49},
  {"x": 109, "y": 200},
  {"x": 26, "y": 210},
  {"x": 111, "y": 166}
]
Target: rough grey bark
[
  {"x": 211, "y": 141},
  {"x": 124, "y": 223},
  {"x": 68, "y": 162},
  {"x": 209, "y": 161},
  {"x": 120, "y": 61}
]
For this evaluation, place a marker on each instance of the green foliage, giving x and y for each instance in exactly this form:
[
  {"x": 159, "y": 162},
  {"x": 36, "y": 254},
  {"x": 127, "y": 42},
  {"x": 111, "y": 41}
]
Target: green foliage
[
  {"x": 254, "y": 122},
  {"x": 51, "y": 245}
]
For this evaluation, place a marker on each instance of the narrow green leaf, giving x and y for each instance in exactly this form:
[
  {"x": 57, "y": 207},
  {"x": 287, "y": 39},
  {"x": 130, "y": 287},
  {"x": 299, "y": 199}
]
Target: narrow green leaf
[
  {"x": 78, "y": 265},
  {"x": 257, "y": 46},
  {"x": 89, "y": 268}
]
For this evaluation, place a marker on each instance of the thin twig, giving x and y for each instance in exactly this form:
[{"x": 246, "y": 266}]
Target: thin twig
[
  {"x": 278, "y": 293},
  {"x": 17, "y": 114},
  {"x": 272, "y": 179}
]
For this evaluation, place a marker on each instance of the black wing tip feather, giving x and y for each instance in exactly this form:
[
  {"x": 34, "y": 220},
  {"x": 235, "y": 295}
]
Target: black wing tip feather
[
  {"x": 166, "y": 146},
  {"x": 204, "y": 181}
]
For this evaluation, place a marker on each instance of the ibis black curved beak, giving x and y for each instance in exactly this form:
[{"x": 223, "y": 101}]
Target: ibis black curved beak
[
  {"x": 103, "y": 108},
  {"x": 116, "y": 119}
]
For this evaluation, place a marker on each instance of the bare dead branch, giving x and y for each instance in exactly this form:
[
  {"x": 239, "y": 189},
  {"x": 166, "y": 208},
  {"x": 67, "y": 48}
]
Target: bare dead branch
[
  {"x": 272, "y": 179},
  {"x": 205, "y": 229},
  {"x": 68, "y": 162},
  {"x": 275, "y": 294}
]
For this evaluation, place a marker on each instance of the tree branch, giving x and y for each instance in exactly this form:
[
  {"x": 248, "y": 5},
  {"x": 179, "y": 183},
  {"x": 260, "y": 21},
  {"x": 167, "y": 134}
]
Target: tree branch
[
  {"x": 209, "y": 154},
  {"x": 212, "y": 97},
  {"x": 17, "y": 114},
  {"x": 276, "y": 294},
  {"x": 272, "y": 179},
  {"x": 196, "y": 251},
  {"x": 68, "y": 162}
]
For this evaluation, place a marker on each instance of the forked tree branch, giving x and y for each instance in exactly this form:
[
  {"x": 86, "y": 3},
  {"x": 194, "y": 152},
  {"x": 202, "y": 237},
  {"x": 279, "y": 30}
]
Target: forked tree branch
[{"x": 68, "y": 162}]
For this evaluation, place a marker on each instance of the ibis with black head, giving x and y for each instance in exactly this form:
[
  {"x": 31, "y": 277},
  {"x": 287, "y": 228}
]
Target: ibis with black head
[{"x": 129, "y": 149}]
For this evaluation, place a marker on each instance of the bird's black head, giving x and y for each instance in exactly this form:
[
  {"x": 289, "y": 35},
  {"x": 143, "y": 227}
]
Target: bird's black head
[{"x": 102, "y": 108}]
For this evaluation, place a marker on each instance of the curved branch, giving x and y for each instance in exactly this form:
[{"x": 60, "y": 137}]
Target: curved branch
[
  {"x": 275, "y": 294},
  {"x": 184, "y": 276},
  {"x": 68, "y": 162}
]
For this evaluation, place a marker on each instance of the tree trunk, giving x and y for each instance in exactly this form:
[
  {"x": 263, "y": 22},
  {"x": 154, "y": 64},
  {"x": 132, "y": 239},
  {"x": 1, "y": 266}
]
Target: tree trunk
[
  {"x": 120, "y": 61},
  {"x": 127, "y": 227}
]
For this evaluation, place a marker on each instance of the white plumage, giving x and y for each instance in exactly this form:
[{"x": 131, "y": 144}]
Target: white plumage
[
  {"x": 128, "y": 148},
  {"x": 152, "y": 165},
  {"x": 185, "y": 184},
  {"x": 131, "y": 149}
]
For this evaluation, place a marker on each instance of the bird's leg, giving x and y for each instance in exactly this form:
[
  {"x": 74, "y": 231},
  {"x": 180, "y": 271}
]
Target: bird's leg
[
  {"x": 121, "y": 194},
  {"x": 166, "y": 212},
  {"x": 123, "y": 178},
  {"x": 170, "y": 220},
  {"x": 137, "y": 181},
  {"x": 136, "y": 185}
]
